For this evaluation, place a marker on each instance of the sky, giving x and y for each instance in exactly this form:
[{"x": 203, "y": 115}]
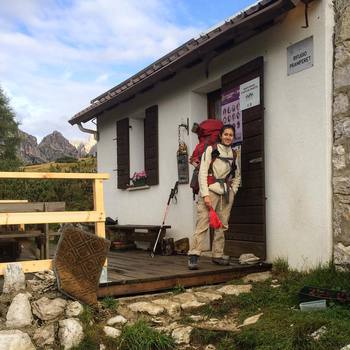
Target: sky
[{"x": 57, "y": 55}]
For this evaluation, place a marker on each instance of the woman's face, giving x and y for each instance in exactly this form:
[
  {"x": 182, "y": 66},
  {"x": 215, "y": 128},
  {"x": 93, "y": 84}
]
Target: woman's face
[{"x": 227, "y": 137}]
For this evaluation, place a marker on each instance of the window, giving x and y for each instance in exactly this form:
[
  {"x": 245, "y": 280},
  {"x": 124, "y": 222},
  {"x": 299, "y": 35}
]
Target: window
[{"x": 130, "y": 144}]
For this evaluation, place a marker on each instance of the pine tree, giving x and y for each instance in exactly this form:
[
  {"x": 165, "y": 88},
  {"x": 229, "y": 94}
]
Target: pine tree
[{"x": 9, "y": 135}]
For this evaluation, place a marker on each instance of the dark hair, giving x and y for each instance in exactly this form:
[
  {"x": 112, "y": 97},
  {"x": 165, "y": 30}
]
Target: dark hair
[{"x": 227, "y": 126}]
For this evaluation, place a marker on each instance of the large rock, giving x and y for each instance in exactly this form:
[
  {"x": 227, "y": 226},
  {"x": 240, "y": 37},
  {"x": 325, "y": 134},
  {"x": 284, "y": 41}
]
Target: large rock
[
  {"x": 14, "y": 279},
  {"x": 251, "y": 320},
  {"x": 74, "y": 309},
  {"x": 235, "y": 289},
  {"x": 223, "y": 325},
  {"x": 70, "y": 333},
  {"x": 147, "y": 307},
  {"x": 341, "y": 78},
  {"x": 15, "y": 340},
  {"x": 339, "y": 157},
  {"x": 343, "y": 26},
  {"x": 342, "y": 255},
  {"x": 207, "y": 296},
  {"x": 188, "y": 301},
  {"x": 341, "y": 104},
  {"x": 45, "y": 335},
  {"x": 173, "y": 308},
  {"x": 257, "y": 277},
  {"x": 342, "y": 128},
  {"x": 49, "y": 309},
  {"x": 111, "y": 332},
  {"x": 19, "y": 313},
  {"x": 182, "y": 335},
  {"x": 119, "y": 320}
]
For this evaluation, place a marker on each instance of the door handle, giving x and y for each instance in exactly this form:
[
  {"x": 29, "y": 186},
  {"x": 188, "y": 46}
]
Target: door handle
[{"x": 255, "y": 160}]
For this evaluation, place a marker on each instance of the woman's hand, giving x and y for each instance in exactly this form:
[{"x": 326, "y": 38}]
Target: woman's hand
[{"x": 207, "y": 201}]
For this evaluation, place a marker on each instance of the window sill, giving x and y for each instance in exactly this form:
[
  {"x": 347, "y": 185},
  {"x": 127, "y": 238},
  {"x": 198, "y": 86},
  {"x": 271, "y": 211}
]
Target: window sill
[{"x": 136, "y": 188}]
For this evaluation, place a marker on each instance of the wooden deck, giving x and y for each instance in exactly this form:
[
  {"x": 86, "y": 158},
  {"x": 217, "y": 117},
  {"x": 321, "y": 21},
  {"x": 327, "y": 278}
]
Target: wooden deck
[{"x": 135, "y": 272}]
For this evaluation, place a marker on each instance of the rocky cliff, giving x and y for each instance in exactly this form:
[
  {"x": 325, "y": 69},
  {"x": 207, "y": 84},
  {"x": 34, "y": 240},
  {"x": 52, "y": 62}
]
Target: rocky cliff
[
  {"x": 55, "y": 145},
  {"x": 52, "y": 147},
  {"x": 29, "y": 151}
]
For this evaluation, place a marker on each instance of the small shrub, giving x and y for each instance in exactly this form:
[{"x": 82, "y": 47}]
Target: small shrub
[
  {"x": 178, "y": 289},
  {"x": 109, "y": 303},
  {"x": 203, "y": 336},
  {"x": 87, "y": 315},
  {"x": 280, "y": 266},
  {"x": 88, "y": 343},
  {"x": 140, "y": 336}
]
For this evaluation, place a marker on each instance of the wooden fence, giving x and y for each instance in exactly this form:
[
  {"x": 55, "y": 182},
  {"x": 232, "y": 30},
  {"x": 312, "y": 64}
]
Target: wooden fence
[{"x": 96, "y": 216}]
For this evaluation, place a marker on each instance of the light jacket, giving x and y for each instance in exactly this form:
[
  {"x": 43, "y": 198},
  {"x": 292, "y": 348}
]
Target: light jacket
[{"x": 220, "y": 170}]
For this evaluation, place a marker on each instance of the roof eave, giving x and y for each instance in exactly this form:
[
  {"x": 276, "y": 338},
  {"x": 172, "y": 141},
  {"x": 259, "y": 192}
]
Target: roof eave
[{"x": 253, "y": 24}]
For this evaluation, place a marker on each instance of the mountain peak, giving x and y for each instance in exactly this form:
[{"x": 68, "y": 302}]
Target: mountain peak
[{"x": 52, "y": 147}]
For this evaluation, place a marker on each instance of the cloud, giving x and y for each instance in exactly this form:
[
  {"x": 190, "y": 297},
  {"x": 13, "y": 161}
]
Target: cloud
[{"x": 57, "y": 55}]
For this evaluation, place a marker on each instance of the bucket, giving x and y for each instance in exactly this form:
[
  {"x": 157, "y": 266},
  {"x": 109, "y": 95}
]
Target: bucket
[{"x": 314, "y": 305}]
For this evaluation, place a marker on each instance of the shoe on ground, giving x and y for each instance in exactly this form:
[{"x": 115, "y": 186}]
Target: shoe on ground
[
  {"x": 220, "y": 261},
  {"x": 193, "y": 262}
]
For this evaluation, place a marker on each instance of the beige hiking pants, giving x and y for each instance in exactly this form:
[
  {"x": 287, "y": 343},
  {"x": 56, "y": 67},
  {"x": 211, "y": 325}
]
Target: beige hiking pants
[{"x": 223, "y": 210}]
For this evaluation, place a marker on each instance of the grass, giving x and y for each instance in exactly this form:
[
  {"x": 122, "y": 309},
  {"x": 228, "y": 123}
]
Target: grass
[
  {"x": 282, "y": 326},
  {"x": 140, "y": 336},
  {"x": 178, "y": 289},
  {"x": 109, "y": 303}
]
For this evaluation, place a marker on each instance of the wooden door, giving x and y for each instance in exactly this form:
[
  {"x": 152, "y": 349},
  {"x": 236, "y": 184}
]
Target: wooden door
[{"x": 247, "y": 230}]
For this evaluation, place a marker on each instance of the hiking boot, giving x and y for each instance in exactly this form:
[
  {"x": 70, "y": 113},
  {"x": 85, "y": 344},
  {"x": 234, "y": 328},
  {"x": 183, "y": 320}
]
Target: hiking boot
[
  {"x": 220, "y": 261},
  {"x": 193, "y": 262}
]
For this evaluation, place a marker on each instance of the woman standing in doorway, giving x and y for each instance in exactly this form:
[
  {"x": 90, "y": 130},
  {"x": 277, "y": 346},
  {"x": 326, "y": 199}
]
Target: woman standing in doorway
[{"x": 219, "y": 179}]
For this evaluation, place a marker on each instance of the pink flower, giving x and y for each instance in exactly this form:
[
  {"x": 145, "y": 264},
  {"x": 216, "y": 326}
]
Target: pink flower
[{"x": 139, "y": 175}]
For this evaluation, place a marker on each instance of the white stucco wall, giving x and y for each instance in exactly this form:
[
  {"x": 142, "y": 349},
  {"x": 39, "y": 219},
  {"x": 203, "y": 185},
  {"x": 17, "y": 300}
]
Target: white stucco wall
[{"x": 297, "y": 140}]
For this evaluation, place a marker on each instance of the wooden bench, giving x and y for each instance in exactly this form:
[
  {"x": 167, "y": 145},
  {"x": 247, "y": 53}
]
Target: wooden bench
[
  {"x": 143, "y": 233},
  {"x": 43, "y": 235}
]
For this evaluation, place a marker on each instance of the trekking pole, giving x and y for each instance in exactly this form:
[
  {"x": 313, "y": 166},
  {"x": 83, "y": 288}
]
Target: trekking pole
[{"x": 173, "y": 193}]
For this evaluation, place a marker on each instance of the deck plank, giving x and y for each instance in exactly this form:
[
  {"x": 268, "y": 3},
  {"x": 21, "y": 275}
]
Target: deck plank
[{"x": 135, "y": 271}]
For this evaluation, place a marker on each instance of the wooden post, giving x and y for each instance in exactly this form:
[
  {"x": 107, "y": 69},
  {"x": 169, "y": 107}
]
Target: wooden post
[
  {"x": 100, "y": 229},
  {"x": 47, "y": 239}
]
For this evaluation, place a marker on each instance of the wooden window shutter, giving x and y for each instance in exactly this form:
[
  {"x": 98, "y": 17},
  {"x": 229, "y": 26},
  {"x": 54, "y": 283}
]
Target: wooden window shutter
[
  {"x": 151, "y": 145},
  {"x": 123, "y": 153}
]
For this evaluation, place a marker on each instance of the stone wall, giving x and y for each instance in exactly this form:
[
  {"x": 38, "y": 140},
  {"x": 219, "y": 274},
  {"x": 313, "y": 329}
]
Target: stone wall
[{"x": 341, "y": 143}]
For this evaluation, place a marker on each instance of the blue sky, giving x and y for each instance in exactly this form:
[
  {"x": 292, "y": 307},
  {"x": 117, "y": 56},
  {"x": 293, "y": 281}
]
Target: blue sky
[{"x": 56, "y": 55}]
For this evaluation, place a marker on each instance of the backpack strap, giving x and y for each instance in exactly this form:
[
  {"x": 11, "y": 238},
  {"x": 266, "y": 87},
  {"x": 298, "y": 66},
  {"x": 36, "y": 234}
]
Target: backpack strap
[{"x": 214, "y": 154}]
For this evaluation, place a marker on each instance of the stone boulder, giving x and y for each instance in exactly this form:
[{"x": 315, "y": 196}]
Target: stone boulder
[
  {"x": 182, "y": 335},
  {"x": 147, "y": 307},
  {"x": 70, "y": 333},
  {"x": 45, "y": 335},
  {"x": 15, "y": 340},
  {"x": 49, "y": 309},
  {"x": 74, "y": 309},
  {"x": 14, "y": 279},
  {"x": 257, "y": 277},
  {"x": 19, "y": 313},
  {"x": 119, "y": 320},
  {"x": 111, "y": 332},
  {"x": 235, "y": 289}
]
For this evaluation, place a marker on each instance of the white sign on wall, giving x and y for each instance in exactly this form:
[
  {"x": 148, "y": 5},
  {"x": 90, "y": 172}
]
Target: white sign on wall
[
  {"x": 249, "y": 94},
  {"x": 300, "y": 56}
]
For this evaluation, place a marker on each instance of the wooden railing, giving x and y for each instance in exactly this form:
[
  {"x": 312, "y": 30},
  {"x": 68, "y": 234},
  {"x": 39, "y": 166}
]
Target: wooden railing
[{"x": 97, "y": 215}]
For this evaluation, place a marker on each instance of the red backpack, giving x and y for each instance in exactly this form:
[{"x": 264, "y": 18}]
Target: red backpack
[{"x": 208, "y": 132}]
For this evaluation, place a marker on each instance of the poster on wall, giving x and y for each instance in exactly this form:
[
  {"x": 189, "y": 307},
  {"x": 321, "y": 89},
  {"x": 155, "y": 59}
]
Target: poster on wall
[
  {"x": 249, "y": 93},
  {"x": 231, "y": 112}
]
